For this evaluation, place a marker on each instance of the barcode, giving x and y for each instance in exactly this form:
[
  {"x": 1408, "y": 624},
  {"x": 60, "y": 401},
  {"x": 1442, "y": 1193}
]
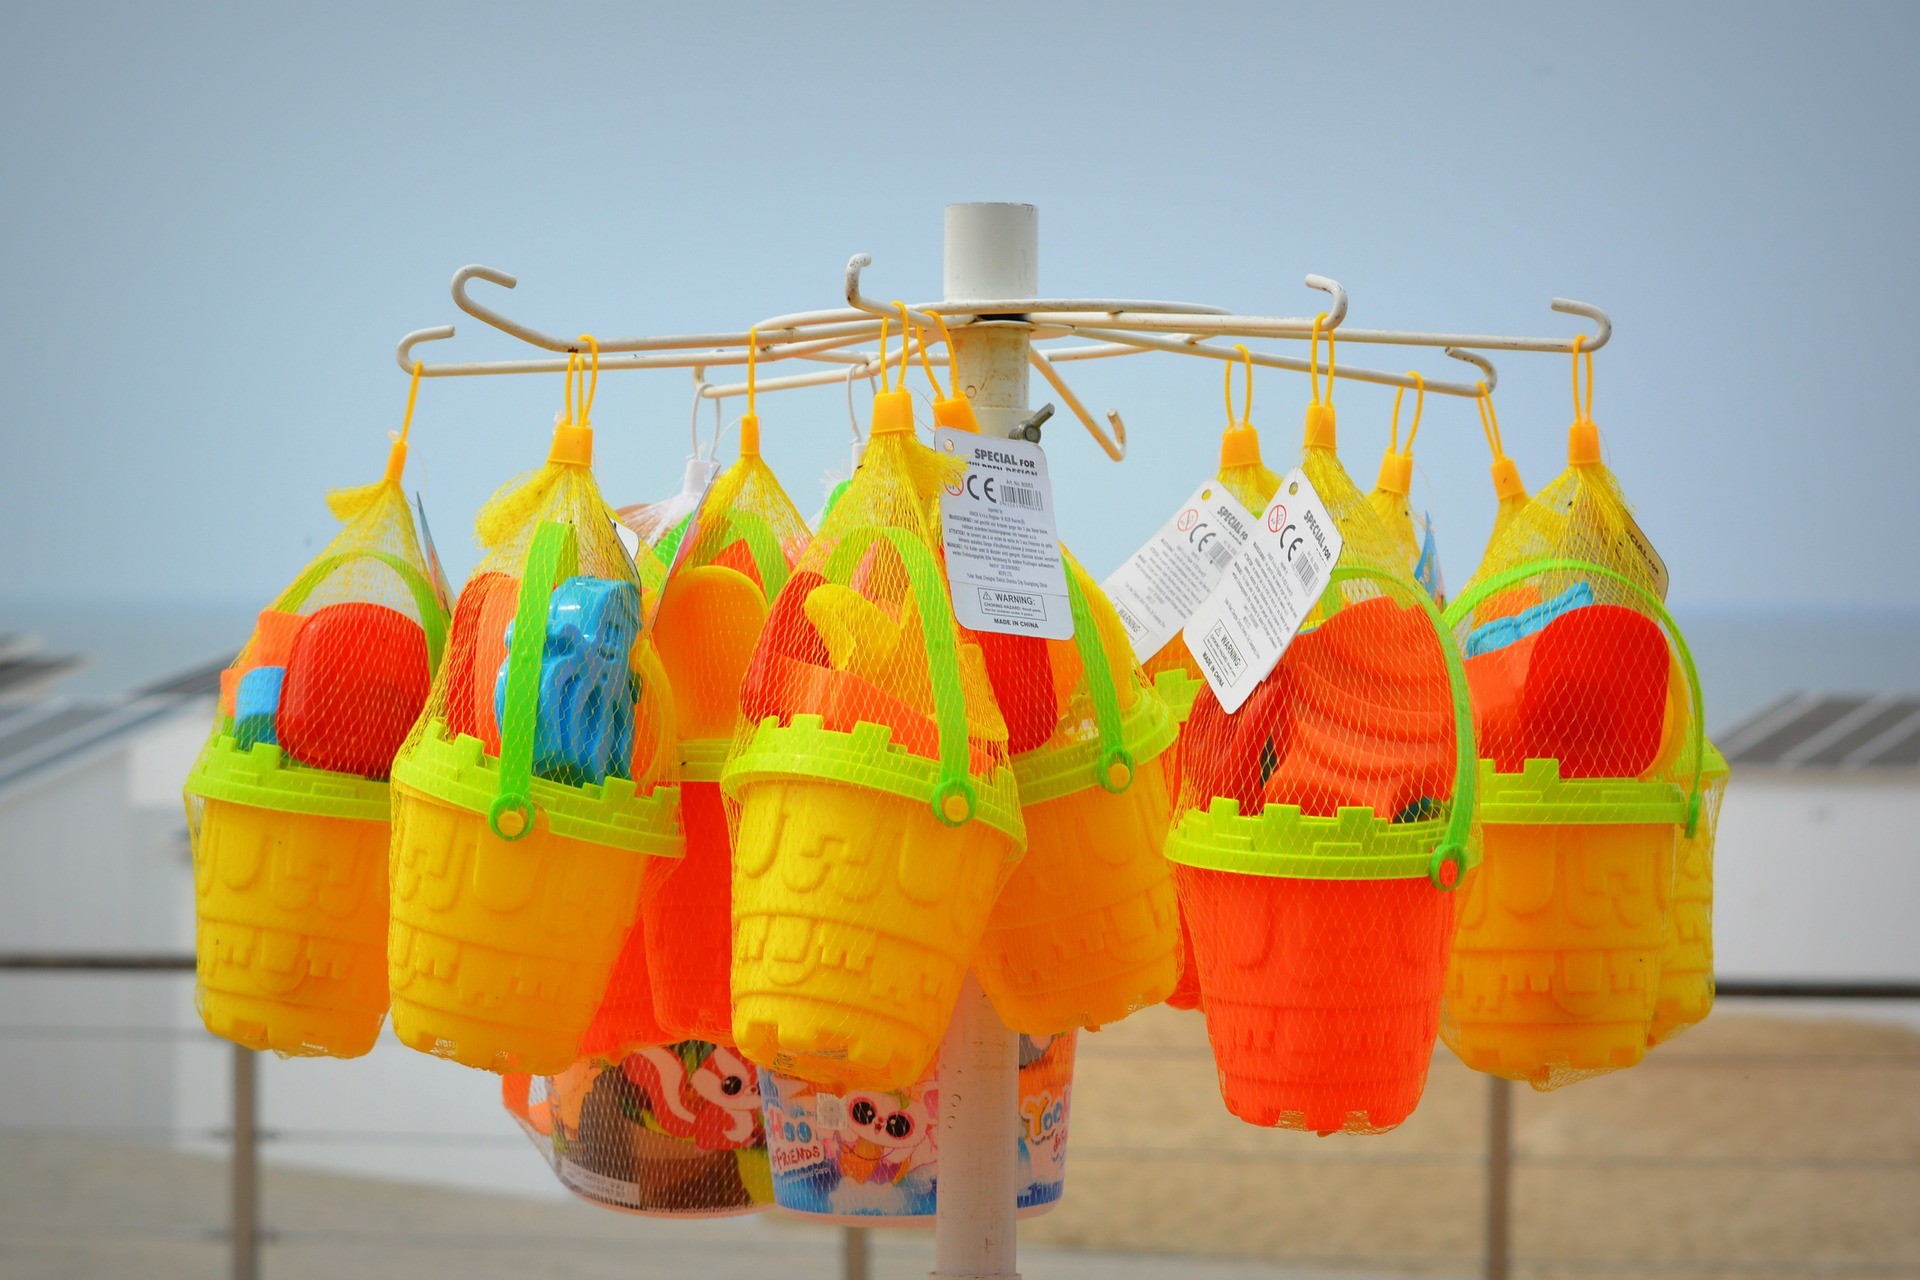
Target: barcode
[
  {"x": 1020, "y": 495},
  {"x": 1220, "y": 553},
  {"x": 1307, "y": 569}
]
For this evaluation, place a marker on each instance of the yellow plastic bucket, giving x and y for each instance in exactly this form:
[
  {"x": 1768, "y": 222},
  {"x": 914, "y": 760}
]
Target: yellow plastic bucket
[
  {"x": 1087, "y": 929},
  {"x": 512, "y": 893},
  {"x": 290, "y": 901},
  {"x": 863, "y": 871},
  {"x": 1556, "y": 959},
  {"x": 1557, "y": 963},
  {"x": 856, "y": 909}
]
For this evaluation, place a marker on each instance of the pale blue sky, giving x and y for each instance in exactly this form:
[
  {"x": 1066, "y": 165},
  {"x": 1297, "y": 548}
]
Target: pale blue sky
[{"x": 217, "y": 222}]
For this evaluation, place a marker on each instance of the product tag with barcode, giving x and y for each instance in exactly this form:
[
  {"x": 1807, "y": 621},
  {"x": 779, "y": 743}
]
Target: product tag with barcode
[
  {"x": 1240, "y": 631},
  {"x": 1003, "y": 549},
  {"x": 1162, "y": 583}
]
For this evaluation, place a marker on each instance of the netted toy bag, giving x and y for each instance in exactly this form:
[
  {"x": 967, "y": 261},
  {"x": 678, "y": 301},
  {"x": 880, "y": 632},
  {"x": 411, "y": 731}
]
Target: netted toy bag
[
  {"x": 1086, "y": 930},
  {"x": 287, "y": 802},
  {"x": 1390, "y": 499},
  {"x": 1173, "y": 670},
  {"x": 1320, "y": 830},
  {"x": 1594, "y": 773},
  {"x": 523, "y": 847},
  {"x": 670, "y": 1131},
  {"x": 873, "y": 810},
  {"x": 735, "y": 557},
  {"x": 872, "y": 1156}
]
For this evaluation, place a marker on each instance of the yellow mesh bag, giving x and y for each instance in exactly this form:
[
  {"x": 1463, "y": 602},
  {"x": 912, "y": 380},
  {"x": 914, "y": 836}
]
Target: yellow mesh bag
[
  {"x": 733, "y": 558},
  {"x": 873, "y": 810},
  {"x": 668, "y": 1131},
  {"x": 523, "y": 844},
  {"x": 1318, "y": 834},
  {"x": 1594, "y": 783},
  {"x": 287, "y": 802}
]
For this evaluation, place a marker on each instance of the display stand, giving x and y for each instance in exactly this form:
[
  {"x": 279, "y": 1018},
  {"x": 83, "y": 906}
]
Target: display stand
[{"x": 990, "y": 304}]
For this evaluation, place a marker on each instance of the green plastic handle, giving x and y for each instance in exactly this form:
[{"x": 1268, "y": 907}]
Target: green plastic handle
[
  {"x": 943, "y": 656},
  {"x": 1106, "y": 699},
  {"x": 1452, "y": 849},
  {"x": 553, "y": 557},
  {"x": 426, "y": 601},
  {"x": 1460, "y": 609}
]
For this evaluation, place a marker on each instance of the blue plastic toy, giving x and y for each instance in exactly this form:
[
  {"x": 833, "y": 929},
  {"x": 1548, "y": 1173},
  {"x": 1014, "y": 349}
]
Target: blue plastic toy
[
  {"x": 1502, "y": 632},
  {"x": 256, "y": 701},
  {"x": 585, "y": 729}
]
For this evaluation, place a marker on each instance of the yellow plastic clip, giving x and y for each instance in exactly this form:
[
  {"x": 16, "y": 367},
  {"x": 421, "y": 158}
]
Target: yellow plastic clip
[
  {"x": 1320, "y": 425},
  {"x": 953, "y": 409},
  {"x": 1506, "y": 476},
  {"x": 1583, "y": 438},
  {"x": 1396, "y": 468},
  {"x": 750, "y": 421},
  {"x": 892, "y": 408},
  {"x": 573, "y": 436},
  {"x": 397, "y": 455}
]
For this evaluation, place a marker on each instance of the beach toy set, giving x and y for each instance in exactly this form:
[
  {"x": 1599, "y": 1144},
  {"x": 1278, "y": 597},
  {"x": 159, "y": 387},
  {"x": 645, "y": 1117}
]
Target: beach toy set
[
  {"x": 871, "y": 1157},
  {"x": 732, "y": 558},
  {"x": 1173, "y": 670},
  {"x": 1086, "y": 929},
  {"x": 523, "y": 845},
  {"x": 672, "y": 1131},
  {"x": 287, "y": 803},
  {"x": 873, "y": 808},
  {"x": 1321, "y": 831},
  {"x": 1597, "y": 787}
]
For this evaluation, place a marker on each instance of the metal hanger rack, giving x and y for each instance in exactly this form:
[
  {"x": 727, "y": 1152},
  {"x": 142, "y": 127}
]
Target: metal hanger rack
[{"x": 996, "y": 319}]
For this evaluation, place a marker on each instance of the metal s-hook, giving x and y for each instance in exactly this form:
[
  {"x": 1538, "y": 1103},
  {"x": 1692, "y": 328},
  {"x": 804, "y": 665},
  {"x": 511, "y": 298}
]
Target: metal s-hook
[
  {"x": 482, "y": 312},
  {"x": 404, "y": 353},
  {"x": 1114, "y": 446},
  {"x": 859, "y": 301},
  {"x": 1478, "y": 361},
  {"x": 1327, "y": 285},
  {"x": 1570, "y": 307}
]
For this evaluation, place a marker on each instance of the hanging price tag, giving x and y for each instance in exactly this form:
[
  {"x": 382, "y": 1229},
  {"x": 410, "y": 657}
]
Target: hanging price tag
[
  {"x": 1162, "y": 583},
  {"x": 1240, "y": 631},
  {"x": 1003, "y": 550}
]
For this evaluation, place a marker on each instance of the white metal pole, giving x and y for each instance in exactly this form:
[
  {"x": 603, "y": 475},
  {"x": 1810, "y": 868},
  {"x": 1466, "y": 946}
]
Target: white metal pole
[{"x": 992, "y": 251}]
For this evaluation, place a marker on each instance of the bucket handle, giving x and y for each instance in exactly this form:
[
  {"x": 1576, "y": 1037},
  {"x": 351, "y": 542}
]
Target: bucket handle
[
  {"x": 1116, "y": 762},
  {"x": 1461, "y": 607},
  {"x": 953, "y": 800},
  {"x": 554, "y": 556},
  {"x": 1448, "y": 865},
  {"x": 768, "y": 558},
  {"x": 426, "y": 601}
]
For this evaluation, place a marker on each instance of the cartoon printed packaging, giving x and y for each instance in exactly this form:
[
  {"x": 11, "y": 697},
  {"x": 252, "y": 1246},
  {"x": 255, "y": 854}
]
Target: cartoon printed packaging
[
  {"x": 671, "y": 1131},
  {"x": 872, "y": 1156}
]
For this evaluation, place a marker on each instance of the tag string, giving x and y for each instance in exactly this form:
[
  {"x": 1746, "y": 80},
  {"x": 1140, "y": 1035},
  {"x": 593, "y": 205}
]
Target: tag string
[
  {"x": 1419, "y": 406},
  {"x": 1582, "y": 412},
  {"x": 1313, "y": 360},
  {"x": 1246, "y": 361},
  {"x": 413, "y": 394},
  {"x": 753, "y": 357},
  {"x": 589, "y": 388},
  {"x": 1489, "y": 423},
  {"x": 906, "y": 331}
]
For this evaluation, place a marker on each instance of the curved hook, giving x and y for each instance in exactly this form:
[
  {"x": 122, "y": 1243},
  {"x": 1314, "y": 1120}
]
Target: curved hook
[
  {"x": 860, "y": 262},
  {"x": 404, "y": 354},
  {"x": 1568, "y": 306},
  {"x": 1338, "y": 311},
  {"x": 1480, "y": 362},
  {"x": 488, "y": 315},
  {"x": 1114, "y": 446}
]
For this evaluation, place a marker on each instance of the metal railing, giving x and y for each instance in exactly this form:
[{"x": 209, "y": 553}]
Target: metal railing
[{"x": 244, "y": 1232}]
